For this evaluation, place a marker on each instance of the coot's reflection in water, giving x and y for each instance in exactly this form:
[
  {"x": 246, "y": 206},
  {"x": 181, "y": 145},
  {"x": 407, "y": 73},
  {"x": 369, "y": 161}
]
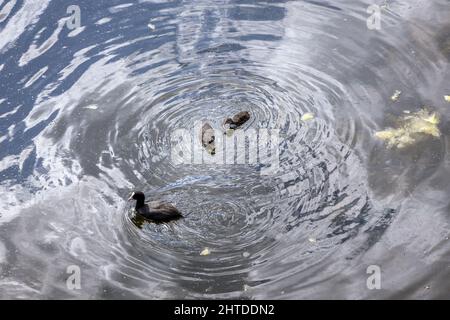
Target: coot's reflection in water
[
  {"x": 88, "y": 115},
  {"x": 138, "y": 221}
]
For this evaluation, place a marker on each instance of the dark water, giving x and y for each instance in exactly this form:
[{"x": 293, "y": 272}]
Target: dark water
[{"x": 88, "y": 114}]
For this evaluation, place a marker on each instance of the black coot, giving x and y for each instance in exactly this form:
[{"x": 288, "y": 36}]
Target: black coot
[{"x": 154, "y": 210}]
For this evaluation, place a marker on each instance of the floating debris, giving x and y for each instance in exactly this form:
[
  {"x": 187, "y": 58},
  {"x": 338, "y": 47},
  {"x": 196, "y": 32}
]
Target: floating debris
[
  {"x": 229, "y": 132},
  {"x": 447, "y": 98},
  {"x": 396, "y": 95},
  {"x": 411, "y": 127},
  {"x": 307, "y": 116},
  {"x": 151, "y": 26},
  {"x": 205, "y": 252},
  {"x": 312, "y": 240},
  {"x": 246, "y": 254}
]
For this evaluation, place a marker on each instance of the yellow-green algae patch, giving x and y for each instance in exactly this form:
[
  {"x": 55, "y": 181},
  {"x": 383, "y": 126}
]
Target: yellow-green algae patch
[{"x": 411, "y": 128}]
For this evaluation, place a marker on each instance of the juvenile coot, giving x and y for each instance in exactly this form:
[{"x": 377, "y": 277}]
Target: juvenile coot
[
  {"x": 208, "y": 138},
  {"x": 237, "y": 120},
  {"x": 154, "y": 210}
]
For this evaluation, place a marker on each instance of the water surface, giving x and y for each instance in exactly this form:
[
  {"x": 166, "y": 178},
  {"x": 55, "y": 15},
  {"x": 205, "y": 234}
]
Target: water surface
[{"x": 87, "y": 115}]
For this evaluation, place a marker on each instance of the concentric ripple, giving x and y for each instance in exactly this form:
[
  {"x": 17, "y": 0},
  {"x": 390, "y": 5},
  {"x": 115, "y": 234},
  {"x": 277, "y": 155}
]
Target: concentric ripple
[{"x": 88, "y": 115}]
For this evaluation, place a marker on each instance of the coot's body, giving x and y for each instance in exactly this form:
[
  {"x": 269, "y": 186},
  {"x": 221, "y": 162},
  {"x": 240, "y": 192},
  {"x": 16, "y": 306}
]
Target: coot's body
[
  {"x": 237, "y": 120},
  {"x": 208, "y": 138},
  {"x": 155, "y": 210}
]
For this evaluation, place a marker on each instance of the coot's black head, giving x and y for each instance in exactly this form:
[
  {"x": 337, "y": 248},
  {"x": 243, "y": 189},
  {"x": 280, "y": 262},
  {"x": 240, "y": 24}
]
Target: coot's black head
[{"x": 137, "y": 195}]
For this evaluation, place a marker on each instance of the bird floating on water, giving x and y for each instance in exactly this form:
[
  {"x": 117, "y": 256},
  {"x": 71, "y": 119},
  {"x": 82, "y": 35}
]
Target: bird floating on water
[
  {"x": 154, "y": 210},
  {"x": 207, "y": 135},
  {"x": 208, "y": 138},
  {"x": 237, "y": 120}
]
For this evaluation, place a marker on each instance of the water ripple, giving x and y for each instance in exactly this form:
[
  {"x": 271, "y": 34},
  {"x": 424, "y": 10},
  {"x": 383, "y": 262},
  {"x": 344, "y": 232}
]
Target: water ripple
[{"x": 90, "y": 114}]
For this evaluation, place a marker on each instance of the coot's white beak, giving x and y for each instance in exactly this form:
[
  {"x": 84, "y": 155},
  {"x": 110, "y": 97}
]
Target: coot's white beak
[{"x": 131, "y": 197}]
